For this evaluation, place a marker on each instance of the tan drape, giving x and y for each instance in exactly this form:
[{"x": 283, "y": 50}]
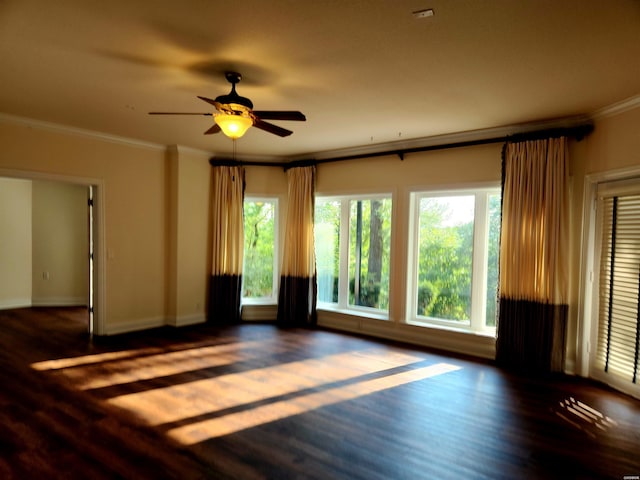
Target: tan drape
[
  {"x": 299, "y": 259},
  {"x": 298, "y": 289},
  {"x": 227, "y": 219},
  {"x": 534, "y": 240},
  {"x": 227, "y": 243},
  {"x": 534, "y": 256}
]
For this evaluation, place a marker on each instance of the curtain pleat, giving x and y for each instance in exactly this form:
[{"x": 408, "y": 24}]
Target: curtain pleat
[
  {"x": 534, "y": 246},
  {"x": 298, "y": 287},
  {"x": 227, "y": 243}
]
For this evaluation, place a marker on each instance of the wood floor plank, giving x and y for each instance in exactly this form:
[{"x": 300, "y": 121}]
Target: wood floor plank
[{"x": 258, "y": 402}]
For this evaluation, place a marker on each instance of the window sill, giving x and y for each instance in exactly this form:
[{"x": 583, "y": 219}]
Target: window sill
[
  {"x": 479, "y": 344},
  {"x": 258, "y": 301},
  {"x": 356, "y": 313}
]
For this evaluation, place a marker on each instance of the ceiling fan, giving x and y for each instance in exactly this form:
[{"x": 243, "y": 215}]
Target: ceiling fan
[{"x": 235, "y": 114}]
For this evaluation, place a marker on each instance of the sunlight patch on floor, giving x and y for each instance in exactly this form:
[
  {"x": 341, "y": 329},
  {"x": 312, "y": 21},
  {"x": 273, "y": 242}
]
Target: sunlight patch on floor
[
  {"x": 201, "y": 397},
  {"x": 234, "y": 422},
  {"x": 94, "y": 358},
  {"x": 128, "y": 366},
  {"x": 584, "y": 417}
]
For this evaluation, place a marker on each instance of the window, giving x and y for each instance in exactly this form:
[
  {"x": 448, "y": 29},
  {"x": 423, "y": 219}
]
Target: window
[
  {"x": 353, "y": 244},
  {"x": 453, "y": 255},
  {"x": 259, "y": 276},
  {"x": 617, "y": 356}
]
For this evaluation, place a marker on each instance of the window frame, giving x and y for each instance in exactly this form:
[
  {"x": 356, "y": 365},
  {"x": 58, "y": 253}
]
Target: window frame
[
  {"x": 608, "y": 187},
  {"x": 342, "y": 305},
  {"x": 273, "y": 298},
  {"x": 479, "y": 264}
]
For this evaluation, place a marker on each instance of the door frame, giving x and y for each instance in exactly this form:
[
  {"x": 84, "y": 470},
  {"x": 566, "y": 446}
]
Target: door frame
[
  {"x": 98, "y": 281},
  {"x": 587, "y": 294}
]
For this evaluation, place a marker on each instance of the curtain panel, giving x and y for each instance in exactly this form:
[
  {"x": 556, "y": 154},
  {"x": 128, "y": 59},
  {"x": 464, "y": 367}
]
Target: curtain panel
[
  {"x": 227, "y": 244},
  {"x": 534, "y": 254},
  {"x": 298, "y": 287}
]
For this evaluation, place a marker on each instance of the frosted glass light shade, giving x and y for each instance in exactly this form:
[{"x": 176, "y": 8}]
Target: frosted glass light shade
[{"x": 233, "y": 126}]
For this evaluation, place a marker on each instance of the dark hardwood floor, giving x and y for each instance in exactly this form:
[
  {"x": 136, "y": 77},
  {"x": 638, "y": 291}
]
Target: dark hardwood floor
[{"x": 254, "y": 401}]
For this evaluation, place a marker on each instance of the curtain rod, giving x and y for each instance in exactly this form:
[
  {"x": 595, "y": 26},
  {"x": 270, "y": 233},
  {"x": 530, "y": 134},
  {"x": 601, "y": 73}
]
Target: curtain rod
[{"x": 578, "y": 132}]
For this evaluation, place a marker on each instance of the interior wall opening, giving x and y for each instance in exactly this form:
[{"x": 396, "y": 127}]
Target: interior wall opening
[{"x": 50, "y": 231}]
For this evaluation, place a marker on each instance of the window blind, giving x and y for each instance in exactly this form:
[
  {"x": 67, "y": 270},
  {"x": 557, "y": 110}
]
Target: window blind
[{"x": 619, "y": 293}]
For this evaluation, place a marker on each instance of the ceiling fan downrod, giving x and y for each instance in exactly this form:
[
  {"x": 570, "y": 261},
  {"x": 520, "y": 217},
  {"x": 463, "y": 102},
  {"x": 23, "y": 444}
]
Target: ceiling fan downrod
[{"x": 232, "y": 97}]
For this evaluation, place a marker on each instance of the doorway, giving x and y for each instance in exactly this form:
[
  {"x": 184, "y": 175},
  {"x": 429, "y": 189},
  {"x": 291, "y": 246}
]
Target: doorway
[{"x": 41, "y": 291}]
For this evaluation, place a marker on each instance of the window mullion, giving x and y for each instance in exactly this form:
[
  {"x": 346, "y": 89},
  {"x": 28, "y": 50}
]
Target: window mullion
[
  {"x": 276, "y": 251},
  {"x": 358, "y": 270},
  {"x": 479, "y": 265},
  {"x": 343, "y": 278},
  {"x": 413, "y": 257}
]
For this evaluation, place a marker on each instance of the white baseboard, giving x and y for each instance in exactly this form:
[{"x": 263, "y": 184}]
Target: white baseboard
[
  {"x": 186, "y": 320},
  {"x": 9, "y": 303},
  {"x": 133, "y": 326},
  {"x": 148, "y": 323},
  {"x": 59, "y": 301}
]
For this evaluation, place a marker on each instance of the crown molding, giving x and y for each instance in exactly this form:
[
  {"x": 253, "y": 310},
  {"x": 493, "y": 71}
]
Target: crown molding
[
  {"x": 81, "y": 132},
  {"x": 266, "y": 159},
  {"x": 252, "y": 159},
  {"x": 69, "y": 130},
  {"x": 404, "y": 145},
  {"x": 447, "y": 139},
  {"x": 617, "y": 108},
  {"x": 189, "y": 150}
]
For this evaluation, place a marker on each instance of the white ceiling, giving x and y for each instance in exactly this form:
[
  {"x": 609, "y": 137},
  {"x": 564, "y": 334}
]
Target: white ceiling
[{"x": 364, "y": 72}]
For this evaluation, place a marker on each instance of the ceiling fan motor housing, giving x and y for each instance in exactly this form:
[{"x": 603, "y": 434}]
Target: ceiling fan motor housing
[{"x": 232, "y": 97}]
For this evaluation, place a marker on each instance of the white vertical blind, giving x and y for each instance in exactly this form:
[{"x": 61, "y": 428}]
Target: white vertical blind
[{"x": 619, "y": 293}]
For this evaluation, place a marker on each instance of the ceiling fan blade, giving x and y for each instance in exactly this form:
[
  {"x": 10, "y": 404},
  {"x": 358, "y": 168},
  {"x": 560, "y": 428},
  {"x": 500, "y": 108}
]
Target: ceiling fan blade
[
  {"x": 178, "y": 113},
  {"x": 208, "y": 100},
  {"x": 280, "y": 115},
  {"x": 214, "y": 129},
  {"x": 271, "y": 128}
]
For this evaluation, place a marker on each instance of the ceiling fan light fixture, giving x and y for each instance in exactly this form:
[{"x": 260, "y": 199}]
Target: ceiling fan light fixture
[
  {"x": 234, "y": 114},
  {"x": 233, "y": 126}
]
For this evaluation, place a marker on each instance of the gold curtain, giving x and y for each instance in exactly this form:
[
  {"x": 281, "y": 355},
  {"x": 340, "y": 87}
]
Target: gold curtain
[
  {"x": 298, "y": 288},
  {"x": 227, "y": 243},
  {"x": 534, "y": 251}
]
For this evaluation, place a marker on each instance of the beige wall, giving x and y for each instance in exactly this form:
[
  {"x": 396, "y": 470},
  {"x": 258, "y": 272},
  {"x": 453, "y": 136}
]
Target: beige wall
[
  {"x": 44, "y": 245},
  {"x": 157, "y": 228},
  {"x": 15, "y": 243},
  {"x": 135, "y": 219},
  {"x": 60, "y": 244},
  {"x": 189, "y": 185},
  {"x": 614, "y": 143},
  {"x": 268, "y": 181}
]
